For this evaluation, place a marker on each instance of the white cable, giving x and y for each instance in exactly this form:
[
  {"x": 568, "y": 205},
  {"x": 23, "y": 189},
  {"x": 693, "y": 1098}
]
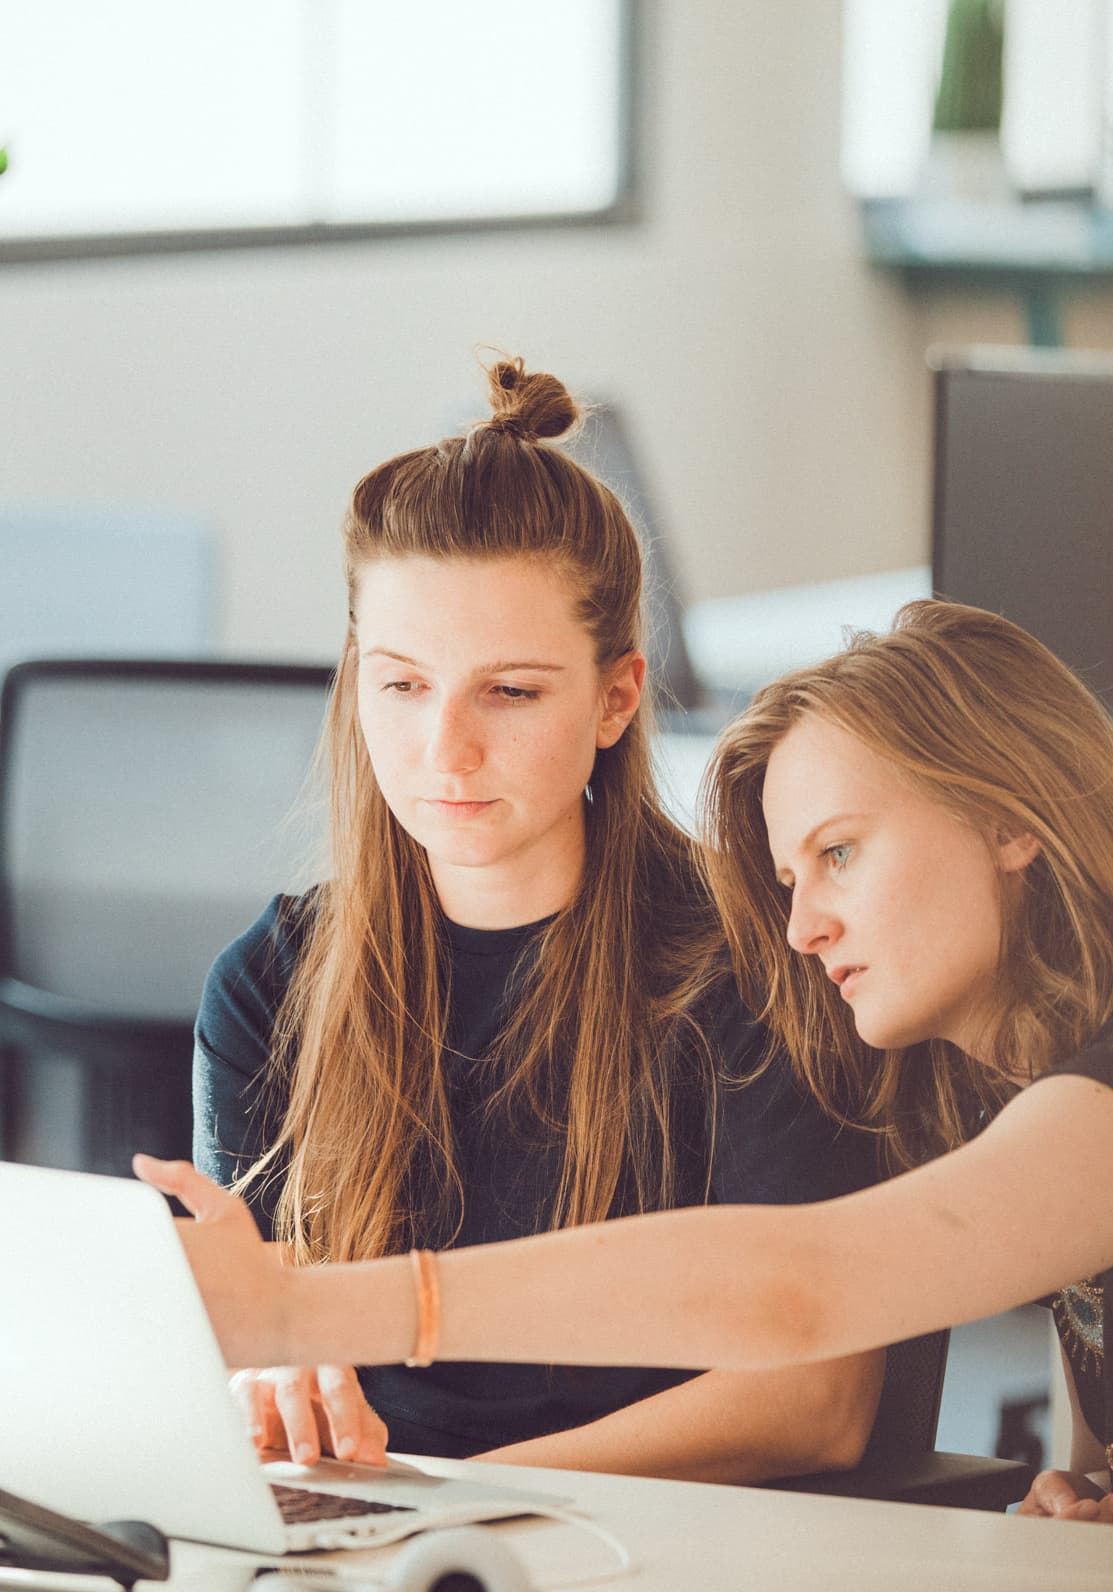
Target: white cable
[
  {"x": 566, "y": 1517},
  {"x": 324, "y": 1578}
]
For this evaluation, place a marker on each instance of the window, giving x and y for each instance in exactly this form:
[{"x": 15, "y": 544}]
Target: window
[
  {"x": 139, "y": 123},
  {"x": 1058, "y": 77}
]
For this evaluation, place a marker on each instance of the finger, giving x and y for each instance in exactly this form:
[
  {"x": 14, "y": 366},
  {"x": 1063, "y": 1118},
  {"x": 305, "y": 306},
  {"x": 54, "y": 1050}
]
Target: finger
[
  {"x": 293, "y": 1395},
  {"x": 373, "y": 1439},
  {"x": 206, "y": 1200},
  {"x": 355, "y": 1431},
  {"x": 1084, "y": 1509},
  {"x": 254, "y": 1398},
  {"x": 1053, "y": 1491},
  {"x": 1031, "y": 1503},
  {"x": 1098, "y": 1510}
]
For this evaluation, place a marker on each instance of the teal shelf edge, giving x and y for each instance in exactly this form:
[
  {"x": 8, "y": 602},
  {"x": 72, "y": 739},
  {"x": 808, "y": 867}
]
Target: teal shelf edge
[
  {"x": 1038, "y": 250},
  {"x": 1048, "y": 238}
]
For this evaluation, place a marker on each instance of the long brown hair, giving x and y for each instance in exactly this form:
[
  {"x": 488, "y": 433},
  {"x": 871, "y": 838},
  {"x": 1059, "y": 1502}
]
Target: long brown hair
[
  {"x": 990, "y": 723},
  {"x": 365, "y": 1152}
]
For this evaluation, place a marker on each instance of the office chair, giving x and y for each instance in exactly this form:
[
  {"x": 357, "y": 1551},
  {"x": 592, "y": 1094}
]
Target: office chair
[
  {"x": 901, "y": 1463},
  {"x": 144, "y": 822}
]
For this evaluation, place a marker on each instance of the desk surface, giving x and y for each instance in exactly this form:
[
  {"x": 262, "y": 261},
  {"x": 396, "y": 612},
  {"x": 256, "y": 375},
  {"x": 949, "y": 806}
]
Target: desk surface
[{"x": 686, "y": 1537}]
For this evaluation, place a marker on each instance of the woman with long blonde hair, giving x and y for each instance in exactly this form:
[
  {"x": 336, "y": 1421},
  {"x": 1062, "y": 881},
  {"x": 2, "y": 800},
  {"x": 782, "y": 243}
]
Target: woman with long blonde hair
[
  {"x": 913, "y": 852},
  {"x": 510, "y": 1008}
]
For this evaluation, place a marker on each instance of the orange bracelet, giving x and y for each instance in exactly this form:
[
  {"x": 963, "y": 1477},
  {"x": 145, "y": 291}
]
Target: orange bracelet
[{"x": 428, "y": 1294}]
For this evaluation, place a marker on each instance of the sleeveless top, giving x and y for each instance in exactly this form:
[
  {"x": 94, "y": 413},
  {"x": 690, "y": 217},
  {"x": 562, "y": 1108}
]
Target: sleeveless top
[{"x": 1083, "y": 1311}]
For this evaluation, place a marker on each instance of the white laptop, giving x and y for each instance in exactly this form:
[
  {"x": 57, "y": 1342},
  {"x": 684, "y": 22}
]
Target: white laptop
[{"x": 114, "y": 1401}]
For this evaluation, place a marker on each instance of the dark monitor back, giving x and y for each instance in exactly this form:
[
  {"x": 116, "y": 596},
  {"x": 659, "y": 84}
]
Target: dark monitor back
[{"x": 1023, "y": 498}]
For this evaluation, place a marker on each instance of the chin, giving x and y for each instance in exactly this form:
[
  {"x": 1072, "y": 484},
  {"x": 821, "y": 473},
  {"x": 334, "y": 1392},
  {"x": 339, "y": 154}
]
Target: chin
[
  {"x": 462, "y": 856},
  {"x": 882, "y": 1035}
]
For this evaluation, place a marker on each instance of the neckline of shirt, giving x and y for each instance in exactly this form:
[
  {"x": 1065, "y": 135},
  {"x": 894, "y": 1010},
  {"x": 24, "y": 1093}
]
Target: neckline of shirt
[{"x": 492, "y": 942}]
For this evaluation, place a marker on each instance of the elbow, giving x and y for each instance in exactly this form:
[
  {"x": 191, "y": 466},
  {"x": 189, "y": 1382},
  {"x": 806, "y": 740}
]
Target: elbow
[
  {"x": 779, "y": 1310},
  {"x": 833, "y": 1414},
  {"x": 784, "y": 1321},
  {"x": 844, "y": 1417}
]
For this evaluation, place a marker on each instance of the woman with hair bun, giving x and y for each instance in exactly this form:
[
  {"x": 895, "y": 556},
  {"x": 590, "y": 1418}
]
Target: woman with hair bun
[
  {"x": 510, "y": 1008},
  {"x": 912, "y": 847}
]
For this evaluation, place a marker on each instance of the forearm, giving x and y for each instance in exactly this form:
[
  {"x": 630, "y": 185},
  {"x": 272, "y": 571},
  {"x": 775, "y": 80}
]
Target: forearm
[
  {"x": 724, "y": 1286},
  {"x": 726, "y": 1426},
  {"x": 736, "y": 1287}
]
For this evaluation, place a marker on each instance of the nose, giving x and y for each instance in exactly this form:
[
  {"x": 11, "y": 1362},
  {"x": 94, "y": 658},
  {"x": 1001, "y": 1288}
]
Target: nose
[
  {"x": 810, "y": 927},
  {"x": 454, "y": 745}
]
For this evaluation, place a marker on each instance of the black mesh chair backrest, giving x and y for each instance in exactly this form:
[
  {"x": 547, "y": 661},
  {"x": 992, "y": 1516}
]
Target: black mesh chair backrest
[
  {"x": 147, "y": 813},
  {"x": 908, "y": 1410}
]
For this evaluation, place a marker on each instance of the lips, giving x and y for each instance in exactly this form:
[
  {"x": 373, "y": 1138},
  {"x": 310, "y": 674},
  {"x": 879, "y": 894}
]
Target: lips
[
  {"x": 467, "y": 809},
  {"x": 846, "y": 976}
]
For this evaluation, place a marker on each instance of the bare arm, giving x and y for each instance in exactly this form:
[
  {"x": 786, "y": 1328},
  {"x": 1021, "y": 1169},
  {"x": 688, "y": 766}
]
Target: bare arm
[
  {"x": 727, "y": 1426},
  {"x": 731, "y": 1286}
]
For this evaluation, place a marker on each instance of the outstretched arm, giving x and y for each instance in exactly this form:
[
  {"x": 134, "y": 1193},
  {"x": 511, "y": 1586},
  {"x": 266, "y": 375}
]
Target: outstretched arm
[{"x": 972, "y": 1233}]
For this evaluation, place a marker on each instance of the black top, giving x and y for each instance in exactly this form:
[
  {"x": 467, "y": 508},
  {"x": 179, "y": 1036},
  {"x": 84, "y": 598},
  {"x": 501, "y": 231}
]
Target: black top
[
  {"x": 1084, "y": 1310},
  {"x": 771, "y": 1145}
]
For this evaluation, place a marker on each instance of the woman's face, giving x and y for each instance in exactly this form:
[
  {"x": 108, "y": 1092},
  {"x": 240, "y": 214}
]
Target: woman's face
[
  {"x": 482, "y": 707},
  {"x": 900, "y": 900}
]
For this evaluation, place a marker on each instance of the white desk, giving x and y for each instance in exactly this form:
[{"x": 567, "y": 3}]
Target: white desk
[{"x": 692, "y": 1538}]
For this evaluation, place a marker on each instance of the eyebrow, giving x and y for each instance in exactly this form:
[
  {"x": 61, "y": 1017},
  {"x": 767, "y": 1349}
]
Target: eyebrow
[
  {"x": 500, "y": 666},
  {"x": 813, "y": 834}
]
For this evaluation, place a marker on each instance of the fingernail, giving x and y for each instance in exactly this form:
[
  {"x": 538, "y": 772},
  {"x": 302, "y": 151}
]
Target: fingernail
[
  {"x": 304, "y": 1454},
  {"x": 345, "y": 1448}
]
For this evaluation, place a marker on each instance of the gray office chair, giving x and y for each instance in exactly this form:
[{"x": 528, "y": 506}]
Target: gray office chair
[
  {"x": 144, "y": 822},
  {"x": 901, "y": 1462}
]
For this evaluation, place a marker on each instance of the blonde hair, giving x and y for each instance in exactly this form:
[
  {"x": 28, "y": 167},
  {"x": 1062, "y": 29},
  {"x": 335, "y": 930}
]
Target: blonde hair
[
  {"x": 991, "y": 724},
  {"x": 365, "y": 1151}
]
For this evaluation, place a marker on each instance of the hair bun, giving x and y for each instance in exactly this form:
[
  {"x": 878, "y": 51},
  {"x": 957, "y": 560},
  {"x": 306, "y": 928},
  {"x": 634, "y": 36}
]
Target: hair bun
[{"x": 529, "y": 404}]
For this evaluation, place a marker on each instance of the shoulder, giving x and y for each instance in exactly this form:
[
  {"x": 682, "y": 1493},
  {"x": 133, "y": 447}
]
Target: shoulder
[
  {"x": 1094, "y": 1060},
  {"x": 248, "y": 981},
  {"x": 774, "y": 1142},
  {"x": 738, "y": 1040},
  {"x": 268, "y": 949}
]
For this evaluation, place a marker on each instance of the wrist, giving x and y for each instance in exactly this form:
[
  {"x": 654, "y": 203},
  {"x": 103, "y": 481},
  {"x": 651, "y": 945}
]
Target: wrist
[
  {"x": 294, "y": 1309},
  {"x": 351, "y": 1314}
]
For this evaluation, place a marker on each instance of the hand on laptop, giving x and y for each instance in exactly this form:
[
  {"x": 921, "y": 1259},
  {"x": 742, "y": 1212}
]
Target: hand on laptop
[
  {"x": 310, "y": 1412},
  {"x": 231, "y": 1264}
]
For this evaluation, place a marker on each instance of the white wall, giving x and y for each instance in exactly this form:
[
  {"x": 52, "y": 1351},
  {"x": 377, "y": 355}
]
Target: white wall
[{"x": 773, "y": 381}]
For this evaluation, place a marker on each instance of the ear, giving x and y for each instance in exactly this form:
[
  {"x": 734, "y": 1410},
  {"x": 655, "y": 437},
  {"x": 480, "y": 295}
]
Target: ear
[
  {"x": 622, "y": 692},
  {"x": 1015, "y": 852}
]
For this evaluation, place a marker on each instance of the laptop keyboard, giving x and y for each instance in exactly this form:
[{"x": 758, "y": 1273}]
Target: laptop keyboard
[{"x": 299, "y": 1505}]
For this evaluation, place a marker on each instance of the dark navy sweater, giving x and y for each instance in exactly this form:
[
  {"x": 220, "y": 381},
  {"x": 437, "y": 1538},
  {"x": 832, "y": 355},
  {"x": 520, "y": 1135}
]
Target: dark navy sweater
[{"x": 763, "y": 1143}]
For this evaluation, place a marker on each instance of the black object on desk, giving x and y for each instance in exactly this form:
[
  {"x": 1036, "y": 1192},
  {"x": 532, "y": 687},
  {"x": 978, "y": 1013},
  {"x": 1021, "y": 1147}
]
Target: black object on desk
[{"x": 35, "y": 1538}]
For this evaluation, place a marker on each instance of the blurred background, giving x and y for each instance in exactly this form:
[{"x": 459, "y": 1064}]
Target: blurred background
[
  {"x": 247, "y": 251},
  {"x": 772, "y": 377}
]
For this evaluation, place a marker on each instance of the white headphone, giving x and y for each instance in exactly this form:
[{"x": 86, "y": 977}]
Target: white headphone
[{"x": 465, "y": 1559}]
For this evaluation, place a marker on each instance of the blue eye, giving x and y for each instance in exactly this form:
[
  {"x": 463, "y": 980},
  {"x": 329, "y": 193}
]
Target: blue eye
[
  {"x": 516, "y": 693},
  {"x": 838, "y": 854}
]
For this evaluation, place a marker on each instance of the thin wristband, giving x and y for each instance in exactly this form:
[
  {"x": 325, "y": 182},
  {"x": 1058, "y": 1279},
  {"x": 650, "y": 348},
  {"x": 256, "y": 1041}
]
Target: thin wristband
[{"x": 428, "y": 1297}]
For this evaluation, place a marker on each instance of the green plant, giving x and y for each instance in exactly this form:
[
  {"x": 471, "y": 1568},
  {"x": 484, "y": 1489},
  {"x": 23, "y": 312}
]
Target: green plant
[{"x": 970, "y": 84}]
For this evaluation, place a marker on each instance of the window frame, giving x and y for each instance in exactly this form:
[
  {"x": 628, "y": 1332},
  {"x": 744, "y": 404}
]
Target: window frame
[{"x": 624, "y": 209}]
